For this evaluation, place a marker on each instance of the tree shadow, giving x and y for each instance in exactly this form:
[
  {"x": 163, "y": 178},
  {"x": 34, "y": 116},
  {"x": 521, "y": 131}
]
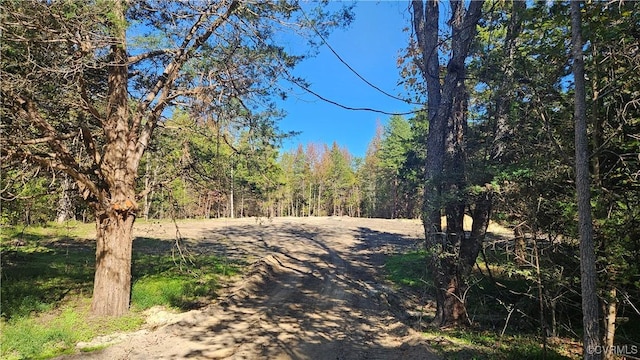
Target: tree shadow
[
  {"x": 312, "y": 295},
  {"x": 39, "y": 271}
]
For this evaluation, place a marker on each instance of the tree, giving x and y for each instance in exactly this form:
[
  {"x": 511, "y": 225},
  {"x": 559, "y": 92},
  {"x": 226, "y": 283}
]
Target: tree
[
  {"x": 583, "y": 190},
  {"x": 534, "y": 167},
  {"x": 393, "y": 154},
  {"x": 369, "y": 176},
  {"x": 70, "y": 70},
  {"x": 340, "y": 178},
  {"x": 451, "y": 254}
]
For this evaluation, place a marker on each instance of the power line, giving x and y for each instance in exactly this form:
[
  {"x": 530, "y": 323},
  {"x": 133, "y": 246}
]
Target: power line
[
  {"x": 307, "y": 89},
  {"x": 351, "y": 68}
]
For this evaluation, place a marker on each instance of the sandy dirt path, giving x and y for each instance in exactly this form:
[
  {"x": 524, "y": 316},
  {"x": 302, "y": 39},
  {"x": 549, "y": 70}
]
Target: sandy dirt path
[{"x": 315, "y": 290}]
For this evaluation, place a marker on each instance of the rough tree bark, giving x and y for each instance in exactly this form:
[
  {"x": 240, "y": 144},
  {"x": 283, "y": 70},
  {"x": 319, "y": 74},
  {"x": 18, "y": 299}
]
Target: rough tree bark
[
  {"x": 585, "y": 227},
  {"x": 447, "y": 109},
  {"x": 65, "y": 204},
  {"x": 115, "y": 211}
]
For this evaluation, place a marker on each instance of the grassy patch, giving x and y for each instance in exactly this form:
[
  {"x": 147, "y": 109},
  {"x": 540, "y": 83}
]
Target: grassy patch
[
  {"x": 166, "y": 280},
  {"x": 52, "y": 230},
  {"x": 47, "y": 281},
  {"x": 48, "y": 334},
  {"x": 471, "y": 344},
  {"x": 408, "y": 269},
  {"x": 37, "y": 275}
]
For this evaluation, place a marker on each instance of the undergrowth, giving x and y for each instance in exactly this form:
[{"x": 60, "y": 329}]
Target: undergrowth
[{"x": 483, "y": 340}]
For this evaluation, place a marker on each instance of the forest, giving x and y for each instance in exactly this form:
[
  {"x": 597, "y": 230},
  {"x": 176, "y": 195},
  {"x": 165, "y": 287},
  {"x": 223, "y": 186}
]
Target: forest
[{"x": 531, "y": 120}]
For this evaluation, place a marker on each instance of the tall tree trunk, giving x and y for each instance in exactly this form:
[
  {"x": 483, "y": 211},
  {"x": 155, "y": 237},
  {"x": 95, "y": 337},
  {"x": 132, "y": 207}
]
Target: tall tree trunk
[
  {"x": 310, "y": 198},
  {"x": 115, "y": 214},
  {"x": 231, "y": 200},
  {"x": 112, "y": 285},
  {"x": 319, "y": 198},
  {"x": 597, "y": 120},
  {"x": 447, "y": 110},
  {"x": 455, "y": 273},
  {"x": 394, "y": 212},
  {"x": 426, "y": 28},
  {"x": 587, "y": 253},
  {"x": 611, "y": 308},
  {"x": 505, "y": 94}
]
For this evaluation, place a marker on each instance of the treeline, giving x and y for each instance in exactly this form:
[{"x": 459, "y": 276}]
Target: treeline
[
  {"x": 196, "y": 167},
  {"x": 200, "y": 169},
  {"x": 320, "y": 180}
]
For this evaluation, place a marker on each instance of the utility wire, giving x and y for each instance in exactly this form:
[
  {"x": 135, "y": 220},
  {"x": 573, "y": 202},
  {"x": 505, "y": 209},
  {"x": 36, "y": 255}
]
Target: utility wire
[
  {"x": 351, "y": 68},
  {"x": 306, "y": 88}
]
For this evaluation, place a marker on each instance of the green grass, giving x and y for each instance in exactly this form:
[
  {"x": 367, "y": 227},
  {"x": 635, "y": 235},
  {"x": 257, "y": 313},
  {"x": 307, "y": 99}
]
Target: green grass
[
  {"x": 161, "y": 280},
  {"x": 71, "y": 229},
  {"x": 46, "y": 284},
  {"x": 408, "y": 269},
  {"x": 49, "y": 334},
  {"x": 36, "y": 277},
  {"x": 475, "y": 344}
]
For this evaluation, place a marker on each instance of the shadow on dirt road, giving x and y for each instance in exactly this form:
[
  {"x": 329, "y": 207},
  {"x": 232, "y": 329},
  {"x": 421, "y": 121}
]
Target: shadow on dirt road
[{"x": 314, "y": 291}]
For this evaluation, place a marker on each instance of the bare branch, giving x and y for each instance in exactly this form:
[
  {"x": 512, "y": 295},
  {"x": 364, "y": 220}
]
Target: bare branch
[
  {"x": 137, "y": 58},
  {"x": 46, "y": 139}
]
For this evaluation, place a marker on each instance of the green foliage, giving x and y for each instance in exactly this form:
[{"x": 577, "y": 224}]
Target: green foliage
[
  {"x": 27, "y": 197},
  {"x": 535, "y": 170},
  {"x": 151, "y": 291},
  {"x": 484, "y": 341},
  {"x": 39, "y": 271},
  {"x": 318, "y": 181},
  {"x": 392, "y": 171},
  {"x": 470, "y": 344},
  {"x": 170, "y": 280},
  {"x": 26, "y": 338},
  {"x": 395, "y": 144}
]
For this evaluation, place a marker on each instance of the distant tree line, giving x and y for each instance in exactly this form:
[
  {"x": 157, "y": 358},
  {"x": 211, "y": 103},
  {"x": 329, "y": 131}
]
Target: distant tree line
[{"x": 196, "y": 168}]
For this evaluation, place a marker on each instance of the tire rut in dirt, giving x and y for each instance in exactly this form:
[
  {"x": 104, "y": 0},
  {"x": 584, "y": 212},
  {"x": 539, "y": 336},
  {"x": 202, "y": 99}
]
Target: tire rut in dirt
[{"x": 313, "y": 294}]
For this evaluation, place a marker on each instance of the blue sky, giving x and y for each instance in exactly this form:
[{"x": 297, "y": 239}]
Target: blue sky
[{"x": 371, "y": 45}]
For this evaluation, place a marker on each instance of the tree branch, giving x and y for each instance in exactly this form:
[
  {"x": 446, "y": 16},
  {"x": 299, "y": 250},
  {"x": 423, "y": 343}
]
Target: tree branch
[
  {"x": 87, "y": 186},
  {"x": 137, "y": 58},
  {"x": 46, "y": 139},
  {"x": 160, "y": 91},
  {"x": 90, "y": 145}
]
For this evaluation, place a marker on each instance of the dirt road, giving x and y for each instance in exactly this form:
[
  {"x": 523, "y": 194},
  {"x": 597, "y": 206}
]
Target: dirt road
[{"x": 315, "y": 290}]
